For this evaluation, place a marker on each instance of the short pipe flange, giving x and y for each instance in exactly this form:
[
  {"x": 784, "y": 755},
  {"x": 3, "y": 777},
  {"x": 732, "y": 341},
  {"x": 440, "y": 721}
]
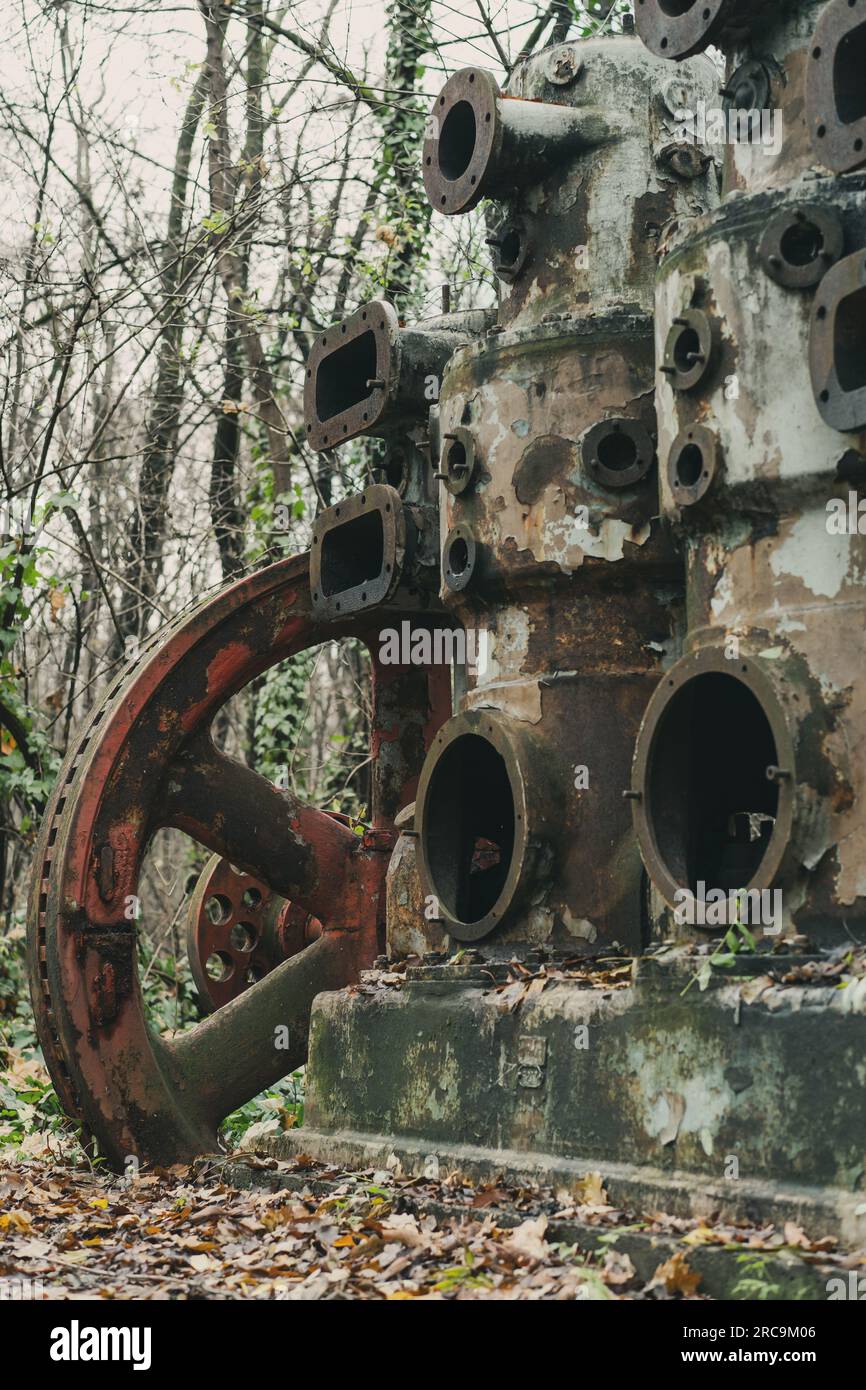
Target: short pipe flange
[
  {"x": 690, "y": 350},
  {"x": 458, "y": 461},
  {"x": 482, "y": 818},
  {"x": 618, "y": 452},
  {"x": 693, "y": 462},
  {"x": 461, "y": 555},
  {"x": 799, "y": 246}
]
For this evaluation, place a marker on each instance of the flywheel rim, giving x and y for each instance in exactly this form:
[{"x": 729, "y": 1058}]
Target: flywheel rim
[{"x": 136, "y": 1094}]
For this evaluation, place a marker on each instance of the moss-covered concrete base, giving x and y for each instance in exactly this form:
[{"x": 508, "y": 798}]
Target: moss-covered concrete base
[{"x": 743, "y": 1097}]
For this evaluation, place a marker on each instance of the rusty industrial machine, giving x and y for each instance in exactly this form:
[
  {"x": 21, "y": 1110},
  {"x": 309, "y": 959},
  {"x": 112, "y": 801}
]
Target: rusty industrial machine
[{"x": 615, "y": 490}]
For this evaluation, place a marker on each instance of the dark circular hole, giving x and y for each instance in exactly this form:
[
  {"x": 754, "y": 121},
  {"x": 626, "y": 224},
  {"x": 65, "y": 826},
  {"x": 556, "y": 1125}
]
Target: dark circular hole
[
  {"x": 218, "y": 909},
  {"x": 710, "y": 805},
  {"x": 395, "y": 470},
  {"x": 674, "y": 8},
  {"x": 455, "y": 461},
  {"x": 243, "y": 936},
  {"x": 457, "y": 140},
  {"x": 686, "y": 344},
  {"x": 469, "y": 827},
  {"x": 251, "y": 897},
  {"x": 219, "y": 966},
  {"x": 509, "y": 251},
  {"x": 802, "y": 243},
  {"x": 458, "y": 556},
  {"x": 689, "y": 466},
  {"x": 617, "y": 451}
]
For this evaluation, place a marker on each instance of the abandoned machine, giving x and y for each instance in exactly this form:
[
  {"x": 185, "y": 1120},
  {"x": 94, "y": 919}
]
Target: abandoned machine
[{"x": 634, "y": 488}]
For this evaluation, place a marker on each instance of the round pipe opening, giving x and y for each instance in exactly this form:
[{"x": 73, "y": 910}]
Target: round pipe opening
[
  {"x": 710, "y": 804},
  {"x": 469, "y": 828},
  {"x": 849, "y": 88},
  {"x": 802, "y": 243},
  {"x": 674, "y": 8},
  {"x": 689, "y": 466},
  {"x": 458, "y": 556},
  {"x": 849, "y": 348},
  {"x": 455, "y": 464},
  {"x": 617, "y": 451},
  {"x": 457, "y": 141},
  {"x": 686, "y": 350}
]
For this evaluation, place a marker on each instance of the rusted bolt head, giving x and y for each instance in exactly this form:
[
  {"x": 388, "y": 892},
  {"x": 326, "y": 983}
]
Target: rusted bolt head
[{"x": 563, "y": 65}]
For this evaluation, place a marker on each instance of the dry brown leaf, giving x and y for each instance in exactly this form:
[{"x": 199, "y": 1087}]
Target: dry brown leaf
[
  {"x": 676, "y": 1276},
  {"x": 590, "y": 1191},
  {"x": 527, "y": 1240}
]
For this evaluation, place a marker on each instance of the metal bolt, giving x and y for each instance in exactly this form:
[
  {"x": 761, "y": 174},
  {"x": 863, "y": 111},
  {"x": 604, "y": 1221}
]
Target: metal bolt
[
  {"x": 629, "y": 795},
  {"x": 374, "y": 381}
]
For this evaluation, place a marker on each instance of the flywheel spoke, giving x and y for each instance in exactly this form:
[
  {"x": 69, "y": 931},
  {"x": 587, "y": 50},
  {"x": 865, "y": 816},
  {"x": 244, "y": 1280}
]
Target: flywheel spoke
[
  {"x": 255, "y": 1040},
  {"x": 300, "y": 852}
]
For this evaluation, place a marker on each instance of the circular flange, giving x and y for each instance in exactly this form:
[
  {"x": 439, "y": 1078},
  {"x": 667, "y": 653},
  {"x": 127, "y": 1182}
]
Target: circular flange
[
  {"x": 472, "y": 817},
  {"x": 689, "y": 350},
  {"x": 799, "y": 245},
  {"x": 458, "y": 462},
  {"x": 563, "y": 64},
  {"x": 692, "y": 464},
  {"x": 748, "y": 90},
  {"x": 749, "y": 673},
  {"x": 460, "y": 555},
  {"x": 462, "y": 133},
  {"x": 618, "y": 452},
  {"x": 679, "y": 28}
]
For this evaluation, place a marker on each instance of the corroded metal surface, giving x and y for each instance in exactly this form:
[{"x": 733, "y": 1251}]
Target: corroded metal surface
[
  {"x": 147, "y": 761},
  {"x": 623, "y": 479},
  {"x": 578, "y": 214},
  {"x": 550, "y": 546},
  {"x": 751, "y": 768}
]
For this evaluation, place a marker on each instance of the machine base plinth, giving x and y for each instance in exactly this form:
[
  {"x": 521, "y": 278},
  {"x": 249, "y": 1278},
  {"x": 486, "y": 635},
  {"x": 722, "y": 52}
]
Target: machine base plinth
[{"x": 741, "y": 1098}]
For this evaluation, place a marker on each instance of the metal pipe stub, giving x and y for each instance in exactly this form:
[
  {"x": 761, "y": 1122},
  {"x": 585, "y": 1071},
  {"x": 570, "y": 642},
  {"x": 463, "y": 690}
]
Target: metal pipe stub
[
  {"x": 482, "y": 143},
  {"x": 835, "y": 86},
  {"x": 367, "y": 374},
  {"x": 359, "y": 550},
  {"x": 680, "y": 28}
]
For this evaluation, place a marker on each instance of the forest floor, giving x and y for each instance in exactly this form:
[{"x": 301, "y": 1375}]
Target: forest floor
[
  {"x": 70, "y": 1232},
  {"x": 241, "y": 1226}
]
